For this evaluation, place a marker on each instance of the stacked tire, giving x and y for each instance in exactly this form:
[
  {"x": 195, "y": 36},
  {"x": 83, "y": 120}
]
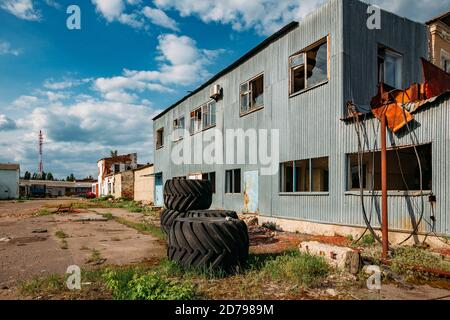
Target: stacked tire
[{"x": 201, "y": 238}]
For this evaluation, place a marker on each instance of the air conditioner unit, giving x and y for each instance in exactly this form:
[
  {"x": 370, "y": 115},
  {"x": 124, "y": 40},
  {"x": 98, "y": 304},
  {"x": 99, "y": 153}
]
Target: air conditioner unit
[{"x": 216, "y": 91}]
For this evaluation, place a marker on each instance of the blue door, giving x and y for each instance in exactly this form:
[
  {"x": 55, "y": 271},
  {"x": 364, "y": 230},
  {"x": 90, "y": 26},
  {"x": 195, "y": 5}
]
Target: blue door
[{"x": 159, "y": 199}]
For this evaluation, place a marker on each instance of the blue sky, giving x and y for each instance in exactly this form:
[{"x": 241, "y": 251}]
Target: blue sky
[{"x": 97, "y": 89}]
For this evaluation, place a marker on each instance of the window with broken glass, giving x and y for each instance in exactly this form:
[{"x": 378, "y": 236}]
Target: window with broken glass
[
  {"x": 309, "y": 67},
  {"x": 178, "y": 127},
  {"x": 209, "y": 114},
  {"x": 390, "y": 67},
  {"x": 252, "y": 94},
  {"x": 159, "y": 138},
  {"x": 196, "y": 121}
]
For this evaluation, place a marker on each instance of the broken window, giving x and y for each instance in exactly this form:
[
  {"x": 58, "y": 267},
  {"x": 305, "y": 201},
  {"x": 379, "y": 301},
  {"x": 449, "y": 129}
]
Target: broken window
[
  {"x": 210, "y": 176},
  {"x": 209, "y": 114},
  {"x": 116, "y": 168},
  {"x": 309, "y": 67},
  {"x": 305, "y": 175},
  {"x": 252, "y": 94},
  {"x": 159, "y": 138},
  {"x": 178, "y": 126},
  {"x": 403, "y": 169},
  {"x": 196, "y": 121},
  {"x": 390, "y": 67},
  {"x": 233, "y": 181}
]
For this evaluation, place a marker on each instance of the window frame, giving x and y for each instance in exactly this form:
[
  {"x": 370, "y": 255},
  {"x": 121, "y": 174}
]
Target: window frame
[
  {"x": 294, "y": 178},
  {"x": 325, "y": 40},
  {"x": 399, "y": 65},
  {"x": 249, "y": 93},
  {"x": 177, "y": 127},
  {"x": 191, "y": 128},
  {"x": 232, "y": 182},
  {"x": 161, "y": 145},
  {"x": 206, "y": 107}
]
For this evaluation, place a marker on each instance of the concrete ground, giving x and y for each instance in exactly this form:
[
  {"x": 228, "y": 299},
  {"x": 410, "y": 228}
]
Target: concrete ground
[{"x": 30, "y": 247}]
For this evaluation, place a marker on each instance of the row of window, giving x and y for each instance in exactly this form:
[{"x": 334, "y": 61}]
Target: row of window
[
  {"x": 312, "y": 175},
  {"x": 307, "y": 69}
]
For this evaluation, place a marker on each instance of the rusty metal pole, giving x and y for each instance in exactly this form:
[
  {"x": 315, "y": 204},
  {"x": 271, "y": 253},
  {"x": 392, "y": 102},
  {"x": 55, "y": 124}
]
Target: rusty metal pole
[{"x": 384, "y": 206}]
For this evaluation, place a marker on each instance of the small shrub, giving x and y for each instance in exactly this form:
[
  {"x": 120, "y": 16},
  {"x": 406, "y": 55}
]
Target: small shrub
[
  {"x": 43, "y": 285},
  {"x": 43, "y": 212},
  {"x": 270, "y": 225},
  {"x": 137, "y": 285},
  {"x": 298, "y": 267},
  {"x": 60, "y": 234},
  {"x": 108, "y": 216},
  {"x": 368, "y": 240}
]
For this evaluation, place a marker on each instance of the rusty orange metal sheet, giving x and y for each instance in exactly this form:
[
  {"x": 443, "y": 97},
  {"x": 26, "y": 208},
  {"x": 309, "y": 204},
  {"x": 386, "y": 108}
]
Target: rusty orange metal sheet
[
  {"x": 395, "y": 116},
  {"x": 436, "y": 80}
]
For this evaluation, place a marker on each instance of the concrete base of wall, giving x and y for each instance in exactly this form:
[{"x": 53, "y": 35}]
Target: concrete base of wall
[{"x": 315, "y": 228}]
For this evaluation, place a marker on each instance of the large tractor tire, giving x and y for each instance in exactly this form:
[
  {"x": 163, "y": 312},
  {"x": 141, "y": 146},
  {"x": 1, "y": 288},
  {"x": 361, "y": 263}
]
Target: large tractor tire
[
  {"x": 185, "y": 195},
  {"x": 167, "y": 218},
  {"x": 210, "y": 214},
  {"x": 216, "y": 243}
]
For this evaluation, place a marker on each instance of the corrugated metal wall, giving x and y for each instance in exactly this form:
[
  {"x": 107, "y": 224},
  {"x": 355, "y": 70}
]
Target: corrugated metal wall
[{"x": 309, "y": 123}]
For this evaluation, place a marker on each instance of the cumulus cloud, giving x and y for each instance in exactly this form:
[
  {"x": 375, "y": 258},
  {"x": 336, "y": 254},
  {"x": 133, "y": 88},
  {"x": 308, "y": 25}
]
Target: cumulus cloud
[
  {"x": 131, "y": 13},
  {"x": 182, "y": 64},
  {"x": 6, "y": 49},
  {"x": 22, "y": 9},
  {"x": 65, "y": 83},
  {"x": 25, "y": 101},
  {"x": 160, "y": 18},
  {"x": 77, "y": 134},
  {"x": 267, "y": 16},
  {"x": 6, "y": 123}
]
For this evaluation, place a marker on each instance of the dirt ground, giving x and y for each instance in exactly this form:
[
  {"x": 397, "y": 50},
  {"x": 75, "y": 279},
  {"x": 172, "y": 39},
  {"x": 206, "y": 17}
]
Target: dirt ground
[
  {"x": 30, "y": 247},
  {"x": 33, "y": 245}
]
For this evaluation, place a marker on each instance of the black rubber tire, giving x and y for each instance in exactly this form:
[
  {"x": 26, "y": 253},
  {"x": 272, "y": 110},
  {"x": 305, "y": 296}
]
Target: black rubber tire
[
  {"x": 167, "y": 218},
  {"x": 185, "y": 195},
  {"x": 210, "y": 214},
  {"x": 216, "y": 243}
]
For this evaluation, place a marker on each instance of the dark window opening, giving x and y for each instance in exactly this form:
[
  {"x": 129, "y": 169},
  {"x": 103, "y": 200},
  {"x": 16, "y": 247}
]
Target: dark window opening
[
  {"x": 116, "y": 168},
  {"x": 211, "y": 176},
  {"x": 403, "y": 170},
  {"x": 233, "y": 181},
  {"x": 159, "y": 138}
]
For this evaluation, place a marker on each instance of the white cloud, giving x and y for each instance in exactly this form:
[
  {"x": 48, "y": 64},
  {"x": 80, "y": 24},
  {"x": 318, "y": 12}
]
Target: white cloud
[
  {"x": 22, "y": 9},
  {"x": 25, "y": 101},
  {"x": 65, "y": 83},
  {"x": 267, "y": 16},
  {"x": 182, "y": 64},
  {"x": 6, "y": 123},
  {"x": 114, "y": 10},
  {"x": 160, "y": 18},
  {"x": 5, "y": 48}
]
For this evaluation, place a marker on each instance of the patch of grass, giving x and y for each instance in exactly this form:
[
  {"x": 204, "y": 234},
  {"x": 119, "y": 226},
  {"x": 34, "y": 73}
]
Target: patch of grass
[
  {"x": 411, "y": 256},
  {"x": 172, "y": 269},
  {"x": 132, "y": 284},
  {"x": 144, "y": 227},
  {"x": 95, "y": 256},
  {"x": 43, "y": 212},
  {"x": 108, "y": 216},
  {"x": 367, "y": 240},
  {"x": 297, "y": 267},
  {"x": 60, "y": 234},
  {"x": 51, "y": 284}
]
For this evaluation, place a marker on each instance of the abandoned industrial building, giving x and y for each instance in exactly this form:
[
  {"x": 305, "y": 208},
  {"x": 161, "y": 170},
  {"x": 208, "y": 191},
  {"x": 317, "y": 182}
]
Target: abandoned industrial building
[
  {"x": 122, "y": 177},
  {"x": 315, "y": 82}
]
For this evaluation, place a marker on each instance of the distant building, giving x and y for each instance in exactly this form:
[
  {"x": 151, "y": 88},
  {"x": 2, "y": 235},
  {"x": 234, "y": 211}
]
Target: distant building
[
  {"x": 9, "y": 181},
  {"x": 440, "y": 41},
  {"x": 46, "y": 188},
  {"x": 108, "y": 167}
]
